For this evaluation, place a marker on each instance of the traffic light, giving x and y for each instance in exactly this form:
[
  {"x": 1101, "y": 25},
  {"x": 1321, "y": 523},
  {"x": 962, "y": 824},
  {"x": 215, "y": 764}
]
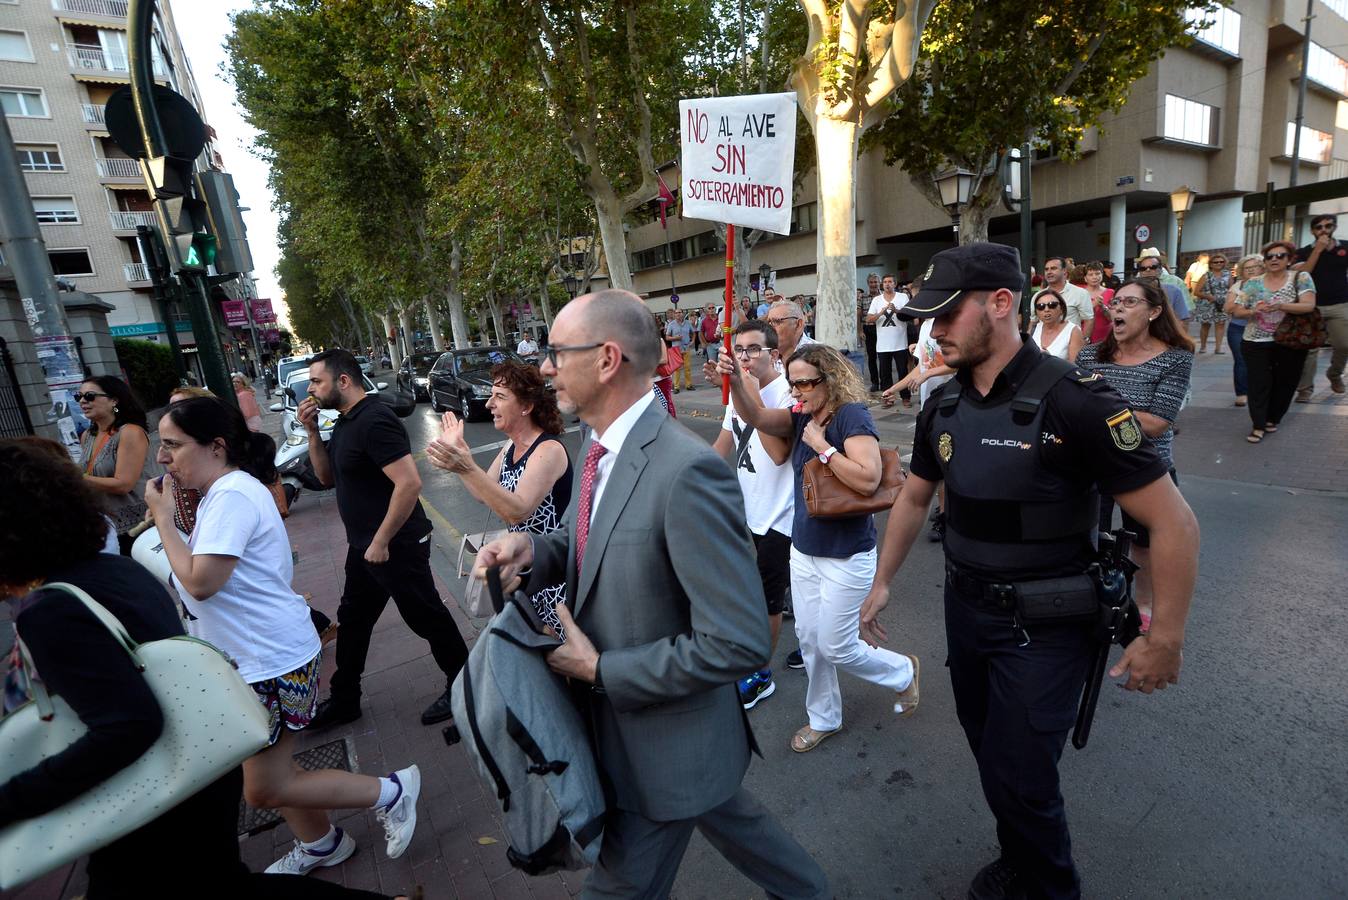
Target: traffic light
[
  {"x": 225, "y": 218},
  {"x": 201, "y": 252}
]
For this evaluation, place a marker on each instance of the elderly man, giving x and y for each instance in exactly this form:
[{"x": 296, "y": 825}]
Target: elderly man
[
  {"x": 1079, "y": 309},
  {"x": 664, "y": 615},
  {"x": 788, "y": 320}
]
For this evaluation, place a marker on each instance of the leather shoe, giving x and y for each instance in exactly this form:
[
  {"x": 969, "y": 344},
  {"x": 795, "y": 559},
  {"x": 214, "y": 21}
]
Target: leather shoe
[
  {"x": 334, "y": 712},
  {"x": 439, "y": 711},
  {"x": 995, "y": 881}
]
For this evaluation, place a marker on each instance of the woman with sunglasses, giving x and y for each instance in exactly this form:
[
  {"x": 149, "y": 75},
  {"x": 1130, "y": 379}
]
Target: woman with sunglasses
[
  {"x": 1052, "y": 333},
  {"x": 1274, "y": 370},
  {"x": 1248, "y": 267},
  {"x": 115, "y": 449},
  {"x": 833, "y": 560},
  {"x": 1210, "y": 310}
]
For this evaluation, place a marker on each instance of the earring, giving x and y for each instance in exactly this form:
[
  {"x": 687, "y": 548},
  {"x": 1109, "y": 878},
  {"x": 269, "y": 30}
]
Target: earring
[{"x": 116, "y": 409}]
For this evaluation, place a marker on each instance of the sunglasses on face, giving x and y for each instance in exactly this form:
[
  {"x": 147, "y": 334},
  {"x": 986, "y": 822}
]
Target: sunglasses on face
[
  {"x": 1323, "y": 226},
  {"x": 88, "y": 397},
  {"x": 802, "y": 384},
  {"x": 1042, "y": 306},
  {"x": 1281, "y": 254},
  {"x": 1149, "y": 268}
]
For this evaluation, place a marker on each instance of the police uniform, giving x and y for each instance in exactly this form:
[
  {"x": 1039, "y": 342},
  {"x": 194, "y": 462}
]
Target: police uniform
[{"x": 1023, "y": 467}]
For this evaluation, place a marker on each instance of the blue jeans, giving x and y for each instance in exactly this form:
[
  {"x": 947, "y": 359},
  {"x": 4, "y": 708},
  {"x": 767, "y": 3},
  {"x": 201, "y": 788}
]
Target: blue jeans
[{"x": 1235, "y": 333}]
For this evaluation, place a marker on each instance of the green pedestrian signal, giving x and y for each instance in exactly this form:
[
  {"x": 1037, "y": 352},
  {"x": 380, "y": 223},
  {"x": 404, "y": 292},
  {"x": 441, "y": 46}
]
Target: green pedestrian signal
[{"x": 201, "y": 253}]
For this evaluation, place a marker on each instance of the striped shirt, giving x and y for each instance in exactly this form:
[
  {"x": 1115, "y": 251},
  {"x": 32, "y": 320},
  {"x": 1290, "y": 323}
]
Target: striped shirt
[{"x": 1157, "y": 386}]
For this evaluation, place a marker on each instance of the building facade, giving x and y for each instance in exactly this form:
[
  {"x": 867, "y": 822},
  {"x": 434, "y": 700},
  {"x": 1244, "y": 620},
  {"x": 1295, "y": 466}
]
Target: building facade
[{"x": 1216, "y": 116}]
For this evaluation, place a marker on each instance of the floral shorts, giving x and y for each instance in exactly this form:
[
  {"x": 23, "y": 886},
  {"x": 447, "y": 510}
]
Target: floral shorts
[{"x": 291, "y": 699}]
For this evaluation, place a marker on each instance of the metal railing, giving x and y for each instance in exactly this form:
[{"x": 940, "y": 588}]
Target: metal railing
[
  {"x": 93, "y": 113},
  {"x": 136, "y": 272},
  {"x": 92, "y": 57},
  {"x": 94, "y": 7},
  {"x": 117, "y": 167},
  {"x": 128, "y": 220}
]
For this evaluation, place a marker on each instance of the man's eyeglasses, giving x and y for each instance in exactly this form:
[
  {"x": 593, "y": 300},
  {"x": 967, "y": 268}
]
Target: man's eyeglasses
[
  {"x": 1126, "y": 302},
  {"x": 749, "y": 352},
  {"x": 782, "y": 321},
  {"x": 801, "y": 384},
  {"x": 1042, "y": 306},
  {"x": 552, "y": 351},
  {"x": 1323, "y": 226},
  {"x": 88, "y": 397},
  {"x": 1278, "y": 254}
]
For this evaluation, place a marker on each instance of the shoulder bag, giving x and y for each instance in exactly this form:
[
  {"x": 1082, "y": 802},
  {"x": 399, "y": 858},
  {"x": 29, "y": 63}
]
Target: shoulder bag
[
  {"x": 1302, "y": 331},
  {"x": 476, "y": 601},
  {"x": 212, "y": 722},
  {"x": 826, "y": 497}
]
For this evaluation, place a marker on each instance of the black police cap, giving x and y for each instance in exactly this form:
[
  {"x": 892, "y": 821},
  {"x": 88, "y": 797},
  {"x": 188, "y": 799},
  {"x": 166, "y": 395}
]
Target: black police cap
[{"x": 970, "y": 267}]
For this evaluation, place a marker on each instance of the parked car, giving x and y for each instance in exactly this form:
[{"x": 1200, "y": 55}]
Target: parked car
[
  {"x": 366, "y": 366},
  {"x": 461, "y": 379},
  {"x": 293, "y": 393},
  {"x": 415, "y": 373},
  {"x": 284, "y": 366}
]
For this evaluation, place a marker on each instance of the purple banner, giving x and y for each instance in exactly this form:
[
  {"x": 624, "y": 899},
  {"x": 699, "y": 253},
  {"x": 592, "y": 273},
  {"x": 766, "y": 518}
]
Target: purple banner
[
  {"x": 235, "y": 315},
  {"x": 263, "y": 314}
]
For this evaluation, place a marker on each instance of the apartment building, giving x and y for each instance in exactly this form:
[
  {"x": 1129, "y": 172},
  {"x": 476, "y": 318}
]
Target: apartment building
[
  {"x": 1216, "y": 116},
  {"x": 60, "y": 60}
]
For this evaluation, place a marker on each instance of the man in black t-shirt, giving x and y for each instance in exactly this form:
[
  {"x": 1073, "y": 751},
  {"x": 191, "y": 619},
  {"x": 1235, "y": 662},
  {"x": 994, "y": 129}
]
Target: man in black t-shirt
[
  {"x": 369, "y": 460},
  {"x": 1326, "y": 261}
]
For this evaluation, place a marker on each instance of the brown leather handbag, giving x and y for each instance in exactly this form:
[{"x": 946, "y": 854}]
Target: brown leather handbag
[{"x": 826, "y": 497}]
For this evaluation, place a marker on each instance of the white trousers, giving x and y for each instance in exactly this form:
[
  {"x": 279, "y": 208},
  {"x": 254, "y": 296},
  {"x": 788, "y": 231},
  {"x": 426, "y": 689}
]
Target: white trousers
[{"x": 827, "y": 595}]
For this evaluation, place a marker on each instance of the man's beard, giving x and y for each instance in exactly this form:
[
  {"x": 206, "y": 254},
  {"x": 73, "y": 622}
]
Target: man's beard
[
  {"x": 977, "y": 347},
  {"x": 332, "y": 401}
]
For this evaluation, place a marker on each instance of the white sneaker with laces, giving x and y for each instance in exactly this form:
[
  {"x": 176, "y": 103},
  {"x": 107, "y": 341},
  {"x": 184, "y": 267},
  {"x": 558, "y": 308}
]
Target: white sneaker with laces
[
  {"x": 300, "y": 861},
  {"x": 400, "y": 819}
]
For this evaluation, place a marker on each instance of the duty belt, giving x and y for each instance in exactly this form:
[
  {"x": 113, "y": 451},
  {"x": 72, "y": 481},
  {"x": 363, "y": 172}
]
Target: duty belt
[{"x": 979, "y": 591}]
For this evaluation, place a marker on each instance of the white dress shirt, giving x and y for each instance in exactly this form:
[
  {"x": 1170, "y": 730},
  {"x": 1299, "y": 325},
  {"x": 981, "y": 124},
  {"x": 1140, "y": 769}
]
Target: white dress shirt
[{"x": 613, "y": 439}]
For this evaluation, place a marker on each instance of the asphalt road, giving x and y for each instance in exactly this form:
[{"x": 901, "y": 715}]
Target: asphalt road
[{"x": 1231, "y": 785}]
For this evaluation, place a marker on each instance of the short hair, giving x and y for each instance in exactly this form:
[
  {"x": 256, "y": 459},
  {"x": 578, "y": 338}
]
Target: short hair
[
  {"x": 529, "y": 387},
  {"x": 793, "y": 307},
  {"x": 1096, "y": 266},
  {"x": 189, "y": 391},
  {"x": 890, "y": 275},
  {"x": 1166, "y": 327},
  {"x": 338, "y": 362},
  {"x": 1062, "y": 261},
  {"x": 128, "y": 410},
  {"x": 1062, "y": 303},
  {"x": 1324, "y": 217},
  {"x": 50, "y": 517},
  {"x": 769, "y": 333},
  {"x": 1290, "y": 247},
  {"x": 619, "y": 316}
]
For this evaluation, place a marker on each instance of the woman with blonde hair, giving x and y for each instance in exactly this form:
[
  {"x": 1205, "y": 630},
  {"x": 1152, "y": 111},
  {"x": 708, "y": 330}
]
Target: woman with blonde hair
[
  {"x": 243, "y": 392},
  {"x": 832, "y": 561}
]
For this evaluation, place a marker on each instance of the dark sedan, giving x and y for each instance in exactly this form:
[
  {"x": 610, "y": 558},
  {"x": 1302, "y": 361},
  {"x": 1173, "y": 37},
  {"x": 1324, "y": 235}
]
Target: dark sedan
[
  {"x": 415, "y": 373},
  {"x": 461, "y": 379}
]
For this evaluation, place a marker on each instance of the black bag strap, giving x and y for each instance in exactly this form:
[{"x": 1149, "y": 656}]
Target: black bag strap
[
  {"x": 525, "y": 741},
  {"x": 1041, "y": 380},
  {"x": 502, "y": 789}
]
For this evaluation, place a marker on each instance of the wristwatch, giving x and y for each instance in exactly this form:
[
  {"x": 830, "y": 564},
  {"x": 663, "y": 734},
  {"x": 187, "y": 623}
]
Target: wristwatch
[{"x": 827, "y": 455}]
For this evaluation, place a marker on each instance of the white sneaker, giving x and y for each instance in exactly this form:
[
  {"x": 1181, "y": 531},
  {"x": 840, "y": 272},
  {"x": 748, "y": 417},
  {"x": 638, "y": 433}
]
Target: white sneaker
[
  {"x": 400, "y": 820},
  {"x": 300, "y": 861}
]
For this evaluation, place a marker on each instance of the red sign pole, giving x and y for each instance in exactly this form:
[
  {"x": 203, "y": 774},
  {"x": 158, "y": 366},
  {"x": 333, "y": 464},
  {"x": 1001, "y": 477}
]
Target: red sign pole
[{"x": 729, "y": 303}]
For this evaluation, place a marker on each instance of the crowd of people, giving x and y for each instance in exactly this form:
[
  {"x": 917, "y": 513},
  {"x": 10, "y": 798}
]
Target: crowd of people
[{"x": 673, "y": 621}]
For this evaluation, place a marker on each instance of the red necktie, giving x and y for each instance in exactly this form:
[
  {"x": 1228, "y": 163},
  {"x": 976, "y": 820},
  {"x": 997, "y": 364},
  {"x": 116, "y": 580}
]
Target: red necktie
[{"x": 587, "y": 476}]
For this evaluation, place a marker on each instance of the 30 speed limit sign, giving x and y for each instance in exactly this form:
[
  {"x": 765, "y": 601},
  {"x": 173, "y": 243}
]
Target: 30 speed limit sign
[{"x": 1142, "y": 234}]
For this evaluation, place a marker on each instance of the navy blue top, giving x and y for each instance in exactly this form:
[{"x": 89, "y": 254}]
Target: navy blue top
[{"x": 831, "y": 538}]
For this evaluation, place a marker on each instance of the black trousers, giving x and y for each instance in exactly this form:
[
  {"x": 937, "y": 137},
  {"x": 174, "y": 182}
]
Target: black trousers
[
  {"x": 1273, "y": 372},
  {"x": 406, "y": 577},
  {"x": 1017, "y": 705},
  {"x": 872, "y": 366},
  {"x": 888, "y": 363}
]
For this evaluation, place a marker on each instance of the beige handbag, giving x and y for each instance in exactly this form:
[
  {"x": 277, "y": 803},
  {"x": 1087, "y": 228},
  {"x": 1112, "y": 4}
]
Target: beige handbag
[
  {"x": 212, "y": 722},
  {"x": 476, "y": 601}
]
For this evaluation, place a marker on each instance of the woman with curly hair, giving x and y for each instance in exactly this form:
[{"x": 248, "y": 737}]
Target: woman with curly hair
[
  {"x": 529, "y": 483},
  {"x": 832, "y": 561},
  {"x": 115, "y": 449}
]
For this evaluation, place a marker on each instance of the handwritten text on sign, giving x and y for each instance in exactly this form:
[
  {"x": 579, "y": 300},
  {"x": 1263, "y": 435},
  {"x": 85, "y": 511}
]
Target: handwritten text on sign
[{"x": 737, "y": 158}]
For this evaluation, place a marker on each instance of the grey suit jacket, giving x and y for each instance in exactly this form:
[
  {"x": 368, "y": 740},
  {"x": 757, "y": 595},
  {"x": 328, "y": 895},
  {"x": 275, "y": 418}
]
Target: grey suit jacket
[{"x": 670, "y": 596}]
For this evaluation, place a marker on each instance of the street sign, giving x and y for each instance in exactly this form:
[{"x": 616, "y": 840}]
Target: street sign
[
  {"x": 674, "y": 298},
  {"x": 1142, "y": 234}
]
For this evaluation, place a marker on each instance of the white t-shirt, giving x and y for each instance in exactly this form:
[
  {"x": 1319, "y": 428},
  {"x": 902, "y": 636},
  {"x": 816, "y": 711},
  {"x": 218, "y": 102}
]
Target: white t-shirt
[
  {"x": 891, "y": 332},
  {"x": 929, "y": 357},
  {"x": 256, "y": 617},
  {"x": 526, "y": 347},
  {"x": 769, "y": 490},
  {"x": 1078, "y": 300}
]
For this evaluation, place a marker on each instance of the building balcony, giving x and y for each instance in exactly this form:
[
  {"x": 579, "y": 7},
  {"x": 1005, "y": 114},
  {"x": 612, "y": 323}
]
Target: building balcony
[
  {"x": 92, "y": 59},
  {"x": 115, "y": 9},
  {"x": 93, "y": 115},
  {"x": 118, "y": 167},
  {"x": 136, "y": 273},
  {"x": 128, "y": 220}
]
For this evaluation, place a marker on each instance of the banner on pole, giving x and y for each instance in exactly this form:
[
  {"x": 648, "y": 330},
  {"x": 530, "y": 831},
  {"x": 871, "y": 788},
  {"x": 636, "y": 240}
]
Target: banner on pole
[
  {"x": 235, "y": 315},
  {"x": 263, "y": 314},
  {"x": 738, "y": 154}
]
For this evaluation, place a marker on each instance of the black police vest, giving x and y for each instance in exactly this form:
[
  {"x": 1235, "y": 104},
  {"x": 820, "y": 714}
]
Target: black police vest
[{"x": 1007, "y": 512}]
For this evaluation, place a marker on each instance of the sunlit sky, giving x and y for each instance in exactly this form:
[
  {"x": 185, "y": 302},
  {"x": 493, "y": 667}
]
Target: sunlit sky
[{"x": 203, "y": 28}]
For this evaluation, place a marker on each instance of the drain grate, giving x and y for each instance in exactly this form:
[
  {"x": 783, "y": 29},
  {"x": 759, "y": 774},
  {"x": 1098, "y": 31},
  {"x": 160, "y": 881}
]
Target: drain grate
[{"x": 332, "y": 755}]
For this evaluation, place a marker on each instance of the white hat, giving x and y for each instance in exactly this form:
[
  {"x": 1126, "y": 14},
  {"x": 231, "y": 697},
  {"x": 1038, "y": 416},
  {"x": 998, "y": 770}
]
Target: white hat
[{"x": 1150, "y": 253}]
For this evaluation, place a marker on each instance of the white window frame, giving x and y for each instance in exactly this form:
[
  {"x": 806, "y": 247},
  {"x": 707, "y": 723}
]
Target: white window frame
[
  {"x": 74, "y": 210},
  {"x": 27, "y": 41},
  {"x": 1182, "y": 108},
  {"x": 20, "y": 90},
  {"x": 22, "y": 147},
  {"x": 1313, "y": 134},
  {"x": 1331, "y": 66},
  {"x": 1224, "y": 26},
  {"x": 85, "y": 250}
]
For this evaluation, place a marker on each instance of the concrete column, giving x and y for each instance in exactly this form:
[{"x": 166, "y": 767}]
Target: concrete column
[
  {"x": 1118, "y": 230},
  {"x": 1040, "y": 245},
  {"x": 1171, "y": 240}
]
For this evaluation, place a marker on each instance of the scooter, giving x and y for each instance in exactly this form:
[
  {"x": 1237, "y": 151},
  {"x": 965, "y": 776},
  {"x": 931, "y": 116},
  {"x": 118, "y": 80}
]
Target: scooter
[{"x": 292, "y": 463}]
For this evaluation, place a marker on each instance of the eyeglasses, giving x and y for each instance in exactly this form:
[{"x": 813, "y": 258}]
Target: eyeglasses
[
  {"x": 88, "y": 397},
  {"x": 1126, "y": 302},
  {"x": 749, "y": 352},
  {"x": 1323, "y": 226},
  {"x": 552, "y": 351},
  {"x": 1053, "y": 305},
  {"x": 782, "y": 321},
  {"x": 1155, "y": 268},
  {"x": 801, "y": 384},
  {"x": 1280, "y": 254}
]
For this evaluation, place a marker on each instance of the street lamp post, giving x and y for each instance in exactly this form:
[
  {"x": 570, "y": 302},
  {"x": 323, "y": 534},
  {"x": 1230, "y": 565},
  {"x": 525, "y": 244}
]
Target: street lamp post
[
  {"x": 763, "y": 272},
  {"x": 955, "y": 185},
  {"x": 1181, "y": 201},
  {"x": 572, "y": 284}
]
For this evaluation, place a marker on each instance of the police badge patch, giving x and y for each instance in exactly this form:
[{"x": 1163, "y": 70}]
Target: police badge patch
[
  {"x": 946, "y": 447},
  {"x": 1123, "y": 428}
]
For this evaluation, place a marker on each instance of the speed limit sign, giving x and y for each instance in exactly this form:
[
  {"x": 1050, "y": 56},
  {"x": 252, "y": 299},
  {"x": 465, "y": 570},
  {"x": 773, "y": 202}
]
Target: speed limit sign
[{"x": 1142, "y": 234}]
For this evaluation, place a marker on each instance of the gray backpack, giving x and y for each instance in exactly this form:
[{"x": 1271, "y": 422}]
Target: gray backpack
[{"x": 530, "y": 744}]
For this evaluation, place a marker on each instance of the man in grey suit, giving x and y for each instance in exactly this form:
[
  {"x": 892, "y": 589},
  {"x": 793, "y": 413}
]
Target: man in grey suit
[{"x": 666, "y": 614}]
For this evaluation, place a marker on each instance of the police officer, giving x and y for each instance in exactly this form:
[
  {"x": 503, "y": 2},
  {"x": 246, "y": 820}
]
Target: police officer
[{"x": 1025, "y": 443}]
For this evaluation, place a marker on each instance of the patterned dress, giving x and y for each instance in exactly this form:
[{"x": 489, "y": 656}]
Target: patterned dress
[
  {"x": 1213, "y": 311},
  {"x": 547, "y": 517}
]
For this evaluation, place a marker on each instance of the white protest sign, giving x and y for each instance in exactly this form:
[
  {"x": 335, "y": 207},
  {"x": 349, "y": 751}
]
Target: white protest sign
[{"x": 737, "y": 159}]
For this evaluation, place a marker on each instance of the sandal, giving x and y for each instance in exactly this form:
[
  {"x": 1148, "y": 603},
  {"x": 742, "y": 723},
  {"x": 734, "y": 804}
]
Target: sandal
[
  {"x": 807, "y": 738},
  {"x": 1271, "y": 427},
  {"x": 1241, "y": 400},
  {"x": 1255, "y": 436}
]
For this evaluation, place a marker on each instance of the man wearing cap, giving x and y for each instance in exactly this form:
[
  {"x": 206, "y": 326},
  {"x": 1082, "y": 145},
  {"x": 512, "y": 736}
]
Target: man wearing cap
[
  {"x": 1111, "y": 281},
  {"x": 1025, "y": 443}
]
